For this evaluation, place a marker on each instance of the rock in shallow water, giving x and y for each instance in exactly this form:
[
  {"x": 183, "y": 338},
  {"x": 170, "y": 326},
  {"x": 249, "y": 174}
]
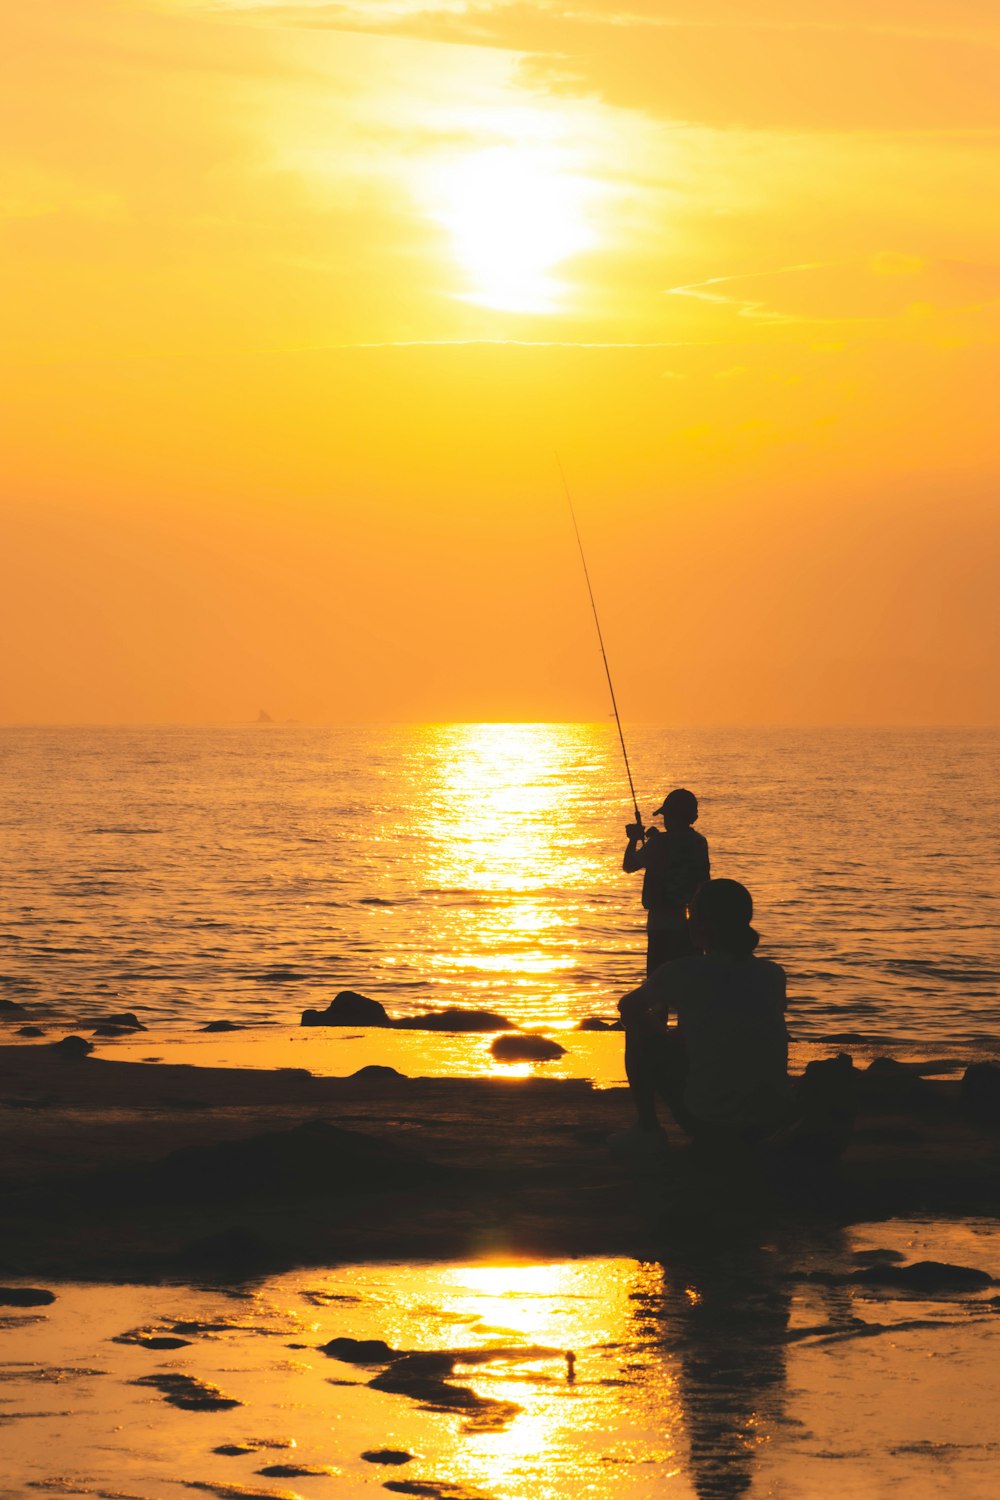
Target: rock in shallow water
[
  {"x": 923, "y": 1276},
  {"x": 387, "y": 1456},
  {"x": 351, "y": 1009},
  {"x": 144, "y": 1338},
  {"x": 251, "y": 1445},
  {"x": 358, "y": 1351},
  {"x": 432, "y": 1489},
  {"x": 25, "y": 1296},
  {"x": 348, "y": 1009},
  {"x": 455, "y": 1020},
  {"x": 522, "y": 1048},
  {"x": 187, "y": 1393},
  {"x": 296, "y": 1471}
]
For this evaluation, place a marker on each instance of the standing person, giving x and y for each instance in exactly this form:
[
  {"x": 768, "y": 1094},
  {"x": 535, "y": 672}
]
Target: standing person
[{"x": 675, "y": 864}]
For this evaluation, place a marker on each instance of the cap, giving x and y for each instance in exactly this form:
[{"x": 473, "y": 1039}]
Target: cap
[{"x": 679, "y": 801}]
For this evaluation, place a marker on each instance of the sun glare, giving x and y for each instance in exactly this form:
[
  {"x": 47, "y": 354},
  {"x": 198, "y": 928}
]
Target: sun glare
[{"x": 515, "y": 213}]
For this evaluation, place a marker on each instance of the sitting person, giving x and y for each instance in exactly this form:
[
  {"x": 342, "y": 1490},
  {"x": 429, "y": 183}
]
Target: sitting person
[{"x": 722, "y": 1070}]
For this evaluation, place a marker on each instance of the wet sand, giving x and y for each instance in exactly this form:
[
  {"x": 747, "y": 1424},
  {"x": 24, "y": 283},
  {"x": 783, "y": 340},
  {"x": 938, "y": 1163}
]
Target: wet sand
[{"x": 379, "y": 1167}]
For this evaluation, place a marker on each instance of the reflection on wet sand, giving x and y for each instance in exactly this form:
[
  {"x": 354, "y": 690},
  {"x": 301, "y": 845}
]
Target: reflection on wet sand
[
  {"x": 705, "y": 1373},
  {"x": 725, "y": 1323}
]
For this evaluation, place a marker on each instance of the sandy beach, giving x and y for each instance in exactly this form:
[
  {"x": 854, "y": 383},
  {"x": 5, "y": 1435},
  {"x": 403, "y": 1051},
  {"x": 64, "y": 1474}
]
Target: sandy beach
[
  {"x": 254, "y": 1282},
  {"x": 383, "y": 1167}
]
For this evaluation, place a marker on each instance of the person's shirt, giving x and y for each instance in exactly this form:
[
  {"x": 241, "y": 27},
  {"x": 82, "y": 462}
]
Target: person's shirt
[
  {"x": 675, "y": 864},
  {"x": 731, "y": 1016}
]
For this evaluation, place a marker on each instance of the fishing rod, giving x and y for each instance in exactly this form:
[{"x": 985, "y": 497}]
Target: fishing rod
[{"x": 600, "y": 638}]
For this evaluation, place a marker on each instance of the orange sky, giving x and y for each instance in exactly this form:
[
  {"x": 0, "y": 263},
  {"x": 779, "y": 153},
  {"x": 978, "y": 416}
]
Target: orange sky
[{"x": 300, "y": 299}]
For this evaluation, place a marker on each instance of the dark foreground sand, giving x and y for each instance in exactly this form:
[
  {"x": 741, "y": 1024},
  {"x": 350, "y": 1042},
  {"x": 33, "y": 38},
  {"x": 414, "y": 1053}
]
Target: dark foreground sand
[{"x": 380, "y": 1167}]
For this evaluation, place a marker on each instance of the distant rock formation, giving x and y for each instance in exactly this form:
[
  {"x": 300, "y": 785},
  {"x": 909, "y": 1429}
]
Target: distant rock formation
[{"x": 263, "y": 717}]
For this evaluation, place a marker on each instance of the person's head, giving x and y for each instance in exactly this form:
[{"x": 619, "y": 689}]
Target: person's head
[
  {"x": 679, "y": 808},
  {"x": 719, "y": 918}
]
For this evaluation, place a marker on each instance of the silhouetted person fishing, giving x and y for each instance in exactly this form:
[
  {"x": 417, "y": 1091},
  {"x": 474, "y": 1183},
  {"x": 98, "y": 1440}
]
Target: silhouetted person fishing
[
  {"x": 723, "y": 1069},
  {"x": 674, "y": 864}
]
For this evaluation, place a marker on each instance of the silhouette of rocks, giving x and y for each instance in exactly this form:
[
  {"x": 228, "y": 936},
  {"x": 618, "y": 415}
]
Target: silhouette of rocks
[
  {"x": 25, "y": 1296},
  {"x": 143, "y": 1339},
  {"x": 123, "y": 1018},
  {"x": 377, "y": 1070},
  {"x": 526, "y": 1048},
  {"x": 12, "y": 1008},
  {"x": 233, "y": 1491},
  {"x": 842, "y": 1036},
  {"x": 455, "y": 1020},
  {"x": 187, "y": 1393},
  {"x": 387, "y": 1456},
  {"x": 890, "y": 1082},
  {"x": 923, "y": 1276},
  {"x": 221, "y": 1026},
  {"x": 594, "y": 1023},
  {"x": 351, "y": 1009},
  {"x": 432, "y": 1489},
  {"x": 423, "y": 1377},
  {"x": 29, "y": 1031},
  {"x": 981, "y": 1092},
  {"x": 107, "y": 1029},
  {"x": 72, "y": 1046},
  {"x": 348, "y": 1009},
  {"x": 358, "y": 1351},
  {"x": 296, "y": 1471},
  {"x": 251, "y": 1445}
]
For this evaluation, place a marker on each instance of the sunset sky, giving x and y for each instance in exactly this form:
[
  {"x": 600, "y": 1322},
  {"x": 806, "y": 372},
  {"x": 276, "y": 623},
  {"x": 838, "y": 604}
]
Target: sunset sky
[{"x": 300, "y": 301}]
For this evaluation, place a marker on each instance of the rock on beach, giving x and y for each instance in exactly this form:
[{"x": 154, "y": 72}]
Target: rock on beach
[
  {"x": 522, "y": 1048},
  {"x": 351, "y": 1009}
]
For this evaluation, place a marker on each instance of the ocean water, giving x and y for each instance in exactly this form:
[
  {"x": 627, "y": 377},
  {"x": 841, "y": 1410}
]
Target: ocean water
[{"x": 251, "y": 871}]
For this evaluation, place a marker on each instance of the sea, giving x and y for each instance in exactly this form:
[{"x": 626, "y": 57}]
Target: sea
[{"x": 250, "y": 871}]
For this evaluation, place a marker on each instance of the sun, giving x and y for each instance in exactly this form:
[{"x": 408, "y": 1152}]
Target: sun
[{"x": 515, "y": 213}]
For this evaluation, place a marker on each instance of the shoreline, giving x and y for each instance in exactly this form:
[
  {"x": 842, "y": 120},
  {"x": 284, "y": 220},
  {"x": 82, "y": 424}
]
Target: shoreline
[{"x": 153, "y": 1172}]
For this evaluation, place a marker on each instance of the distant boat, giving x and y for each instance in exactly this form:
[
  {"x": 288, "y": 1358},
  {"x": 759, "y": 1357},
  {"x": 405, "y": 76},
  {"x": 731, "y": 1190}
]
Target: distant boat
[{"x": 264, "y": 717}]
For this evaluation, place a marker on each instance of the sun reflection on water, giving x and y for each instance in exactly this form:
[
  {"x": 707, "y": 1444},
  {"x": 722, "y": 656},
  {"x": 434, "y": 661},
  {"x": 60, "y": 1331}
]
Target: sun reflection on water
[{"x": 499, "y": 818}]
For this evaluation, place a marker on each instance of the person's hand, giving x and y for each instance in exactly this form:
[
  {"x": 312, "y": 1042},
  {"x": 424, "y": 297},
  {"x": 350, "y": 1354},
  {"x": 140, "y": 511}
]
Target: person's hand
[{"x": 634, "y": 830}]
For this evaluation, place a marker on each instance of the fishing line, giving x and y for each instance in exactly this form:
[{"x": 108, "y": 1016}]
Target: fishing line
[{"x": 600, "y": 637}]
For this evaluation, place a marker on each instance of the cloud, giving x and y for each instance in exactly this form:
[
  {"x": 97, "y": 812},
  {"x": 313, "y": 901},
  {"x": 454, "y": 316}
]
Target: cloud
[
  {"x": 887, "y": 65},
  {"x": 883, "y": 286}
]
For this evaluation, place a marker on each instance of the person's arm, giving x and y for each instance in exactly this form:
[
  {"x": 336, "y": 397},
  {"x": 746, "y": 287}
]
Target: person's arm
[
  {"x": 648, "y": 1006},
  {"x": 635, "y": 852}
]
